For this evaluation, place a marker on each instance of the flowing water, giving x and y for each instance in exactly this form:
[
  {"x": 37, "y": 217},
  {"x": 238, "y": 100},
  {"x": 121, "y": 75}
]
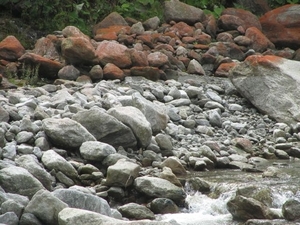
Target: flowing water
[{"x": 211, "y": 209}]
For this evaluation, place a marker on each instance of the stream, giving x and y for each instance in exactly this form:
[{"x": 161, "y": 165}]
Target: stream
[{"x": 210, "y": 209}]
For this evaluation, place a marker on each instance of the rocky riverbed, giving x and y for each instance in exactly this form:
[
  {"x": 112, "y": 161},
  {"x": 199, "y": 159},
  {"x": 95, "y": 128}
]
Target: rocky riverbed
[{"x": 121, "y": 149}]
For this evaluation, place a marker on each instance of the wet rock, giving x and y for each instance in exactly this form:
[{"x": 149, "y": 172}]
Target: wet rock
[
  {"x": 290, "y": 209},
  {"x": 163, "y": 206},
  {"x": 157, "y": 187},
  {"x": 199, "y": 184},
  {"x": 136, "y": 211},
  {"x": 243, "y": 208}
]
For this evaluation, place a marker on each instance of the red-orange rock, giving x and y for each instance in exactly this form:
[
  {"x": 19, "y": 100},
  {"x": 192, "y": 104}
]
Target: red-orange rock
[
  {"x": 112, "y": 52},
  {"x": 146, "y": 39},
  {"x": 266, "y": 60},
  {"x": 259, "y": 42},
  {"x": 78, "y": 50},
  {"x": 46, "y": 47},
  {"x": 223, "y": 69},
  {"x": 182, "y": 29},
  {"x": 112, "y": 72},
  {"x": 111, "y": 33},
  {"x": 46, "y": 67},
  {"x": 112, "y": 19},
  {"x": 139, "y": 58},
  {"x": 157, "y": 59},
  {"x": 248, "y": 18},
  {"x": 151, "y": 73},
  {"x": 11, "y": 49},
  {"x": 282, "y": 26}
]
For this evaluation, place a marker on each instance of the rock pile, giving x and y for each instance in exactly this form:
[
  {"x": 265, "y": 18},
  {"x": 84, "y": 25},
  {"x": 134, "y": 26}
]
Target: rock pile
[{"x": 82, "y": 151}]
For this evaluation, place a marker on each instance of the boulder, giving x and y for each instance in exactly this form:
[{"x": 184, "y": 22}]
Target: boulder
[
  {"x": 11, "y": 49},
  {"x": 71, "y": 216},
  {"x": 54, "y": 161},
  {"x": 149, "y": 72},
  {"x": 106, "y": 128},
  {"x": 155, "y": 114},
  {"x": 248, "y": 19},
  {"x": 195, "y": 67},
  {"x": 24, "y": 183},
  {"x": 290, "y": 210},
  {"x": 177, "y": 11},
  {"x": 261, "y": 79},
  {"x": 135, "y": 119},
  {"x": 257, "y": 7},
  {"x": 112, "y": 72},
  {"x": 45, "y": 67},
  {"x": 175, "y": 165},
  {"x": 78, "y": 50},
  {"x": 45, "y": 206},
  {"x": 159, "y": 188},
  {"x": 136, "y": 211},
  {"x": 115, "y": 53},
  {"x": 95, "y": 150},
  {"x": 80, "y": 200},
  {"x": 68, "y": 72},
  {"x": 157, "y": 59},
  {"x": 243, "y": 208},
  {"x": 259, "y": 42},
  {"x": 71, "y": 31},
  {"x": 30, "y": 163},
  {"x": 113, "y": 19},
  {"x": 122, "y": 173},
  {"x": 167, "y": 174},
  {"x": 163, "y": 206},
  {"x": 66, "y": 133},
  {"x": 46, "y": 47},
  {"x": 281, "y": 26}
]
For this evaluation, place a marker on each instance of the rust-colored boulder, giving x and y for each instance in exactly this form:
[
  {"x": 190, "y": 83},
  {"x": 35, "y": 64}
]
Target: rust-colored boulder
[
  {"x": 112, "y": 19},
  {"x": 78, "y": 50},
  {"x": 259, "y": 42},
  {"x": 46, "y": 67},
  {"x": 111, "y": 33},
  {"x": 112, "y": 52},
  {"x": 224, "y": 68},
  {"x": 112, "y": 72},
  {"x": 11, "y": 49},
  {"x": 282, "y": 26},
  {"x": 139, "y": 58},
  {"x": 149, "y": 72},
  {"x": 248, "y": 18},
  {"x": 182, "y": 29}
]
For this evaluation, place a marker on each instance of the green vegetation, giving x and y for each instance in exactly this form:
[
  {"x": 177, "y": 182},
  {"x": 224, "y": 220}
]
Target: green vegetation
[{"x": 53, "y": 15}]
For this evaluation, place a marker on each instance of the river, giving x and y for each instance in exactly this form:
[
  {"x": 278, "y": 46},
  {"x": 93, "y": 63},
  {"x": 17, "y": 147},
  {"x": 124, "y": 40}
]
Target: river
[{"x": 210, "y": 209}]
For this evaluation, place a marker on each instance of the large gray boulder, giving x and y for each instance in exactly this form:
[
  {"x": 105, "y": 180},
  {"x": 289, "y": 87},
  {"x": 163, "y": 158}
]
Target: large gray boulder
[
  {"x": 177, "y": 11},
  {"x": 80, "y": 200},
  {"x": 122, "y": 174},
  {"x": 66, "y": 133},
  {"x": 135, "y": 119},
  {"x": 271, "y": 84},
  {"x": 45, "y": 207},
  {"x": 71, "y": 216},
  {"x": 18, "y": 180},
  {"x": 30, "y": 163},
  {"x": 159, "y": 188},
  {"x": 106, "y": 128},
  {"x": 154, "y": 113}
]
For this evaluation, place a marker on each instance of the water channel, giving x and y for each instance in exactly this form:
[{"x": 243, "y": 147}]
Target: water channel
[{"x": 210, "y": 209}]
